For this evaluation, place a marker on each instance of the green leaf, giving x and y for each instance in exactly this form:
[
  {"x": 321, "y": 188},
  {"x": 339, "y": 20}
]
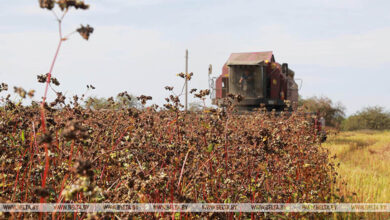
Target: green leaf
[
  {"x": 22, "y": 136},
  {"x": 177, "y": 215},
  {"x": 210, "y": 148},
  {"x": 205, "y": 125},
  {"x": 113, "y": 155}
]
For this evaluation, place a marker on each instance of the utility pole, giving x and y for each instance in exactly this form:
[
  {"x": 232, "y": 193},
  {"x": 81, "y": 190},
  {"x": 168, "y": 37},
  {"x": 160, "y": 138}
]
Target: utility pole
[{"x": 186, "y": 83}]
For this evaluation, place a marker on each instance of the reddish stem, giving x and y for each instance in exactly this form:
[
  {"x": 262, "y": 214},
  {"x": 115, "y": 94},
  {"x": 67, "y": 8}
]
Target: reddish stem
[
  {"x": 101, "y": 176},
  {"x": 71, "y": 154},
  {"x": 43, "y": 121},
  {"x": 17, "y": 175},
  {"x": 119, "y": 139}
]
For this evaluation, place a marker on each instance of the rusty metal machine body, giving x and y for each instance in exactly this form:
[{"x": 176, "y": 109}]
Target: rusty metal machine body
[{"x": 259, "y": 79}]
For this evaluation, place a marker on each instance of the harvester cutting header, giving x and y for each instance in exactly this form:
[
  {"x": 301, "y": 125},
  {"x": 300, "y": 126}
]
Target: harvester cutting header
[{"x": 259, "y": 79}]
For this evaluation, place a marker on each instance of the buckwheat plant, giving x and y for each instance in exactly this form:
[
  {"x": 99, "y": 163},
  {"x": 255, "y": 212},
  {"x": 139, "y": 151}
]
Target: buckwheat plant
[{"x": 64, "y": 6}]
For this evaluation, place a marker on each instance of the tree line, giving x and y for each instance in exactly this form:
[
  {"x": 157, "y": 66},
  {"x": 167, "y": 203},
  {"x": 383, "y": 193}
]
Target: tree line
[{"x": 373, "y": 117}]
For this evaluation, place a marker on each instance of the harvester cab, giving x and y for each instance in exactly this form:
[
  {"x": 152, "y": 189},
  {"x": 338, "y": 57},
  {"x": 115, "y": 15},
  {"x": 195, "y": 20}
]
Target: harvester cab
[{"x": 259, "y": 79}]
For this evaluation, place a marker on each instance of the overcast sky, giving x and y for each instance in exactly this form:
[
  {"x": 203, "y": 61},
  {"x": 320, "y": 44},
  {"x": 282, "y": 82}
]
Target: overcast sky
[{"x": 339, "y": 48}]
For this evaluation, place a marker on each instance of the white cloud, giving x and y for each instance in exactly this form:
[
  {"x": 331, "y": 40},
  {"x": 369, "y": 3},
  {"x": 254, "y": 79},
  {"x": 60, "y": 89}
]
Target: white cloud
[
  {"x": 345, "y": 50},
  {"x": 141, "y": 2},
  {"x": 115, "y": 59},
  {"x": 27, "y": 9},
  {"x": 32, "y": 9},
  {"x": 334, "y": 4}
]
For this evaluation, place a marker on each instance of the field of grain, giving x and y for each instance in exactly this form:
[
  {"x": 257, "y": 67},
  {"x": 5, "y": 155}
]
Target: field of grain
[
  {"x": 364, "y": 158},
  {"x": 364, "y": 174}
]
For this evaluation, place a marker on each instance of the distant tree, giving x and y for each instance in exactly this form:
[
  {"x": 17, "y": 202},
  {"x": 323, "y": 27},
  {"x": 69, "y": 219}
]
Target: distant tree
[
  {"x": 96, "y": 103},
  {"x": 119, "y": 102},
  {"x": 125, "y": 102},
  {"x": 375, "y": 118},
  {"x": 195, "y": 107},
  {"x": 332, "y": 112}
]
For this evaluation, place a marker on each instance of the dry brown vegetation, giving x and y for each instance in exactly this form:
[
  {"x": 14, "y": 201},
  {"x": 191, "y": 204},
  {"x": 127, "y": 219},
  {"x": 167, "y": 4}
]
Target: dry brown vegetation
[{"x": 161, "y": 155}]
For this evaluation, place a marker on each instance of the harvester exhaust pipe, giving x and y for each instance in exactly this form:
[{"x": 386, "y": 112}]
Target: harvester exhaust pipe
[{"x": 285, "y": 68}]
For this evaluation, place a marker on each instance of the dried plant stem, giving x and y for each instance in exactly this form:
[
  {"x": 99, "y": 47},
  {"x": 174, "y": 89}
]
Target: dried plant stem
[
  {"x": 226, "y": 146},
  {"x": 119, "y": 139},
  {"x": 71, "y": 154},
  {"x": 60, "y": 197},
  {"x": 182, "y": 169},
  {"x": 109, "y": 188},
  {"x": 43, "y": 120}
]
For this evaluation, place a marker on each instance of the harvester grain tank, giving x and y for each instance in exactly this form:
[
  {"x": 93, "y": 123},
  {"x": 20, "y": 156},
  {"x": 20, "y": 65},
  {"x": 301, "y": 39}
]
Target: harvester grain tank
[{"x": 259, "y": 79}]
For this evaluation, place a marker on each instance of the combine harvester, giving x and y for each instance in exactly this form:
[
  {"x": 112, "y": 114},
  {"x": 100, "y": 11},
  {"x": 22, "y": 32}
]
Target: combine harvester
[
  {"x": 259, "y": 79},
  {"x": 262, "y": 82}
]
